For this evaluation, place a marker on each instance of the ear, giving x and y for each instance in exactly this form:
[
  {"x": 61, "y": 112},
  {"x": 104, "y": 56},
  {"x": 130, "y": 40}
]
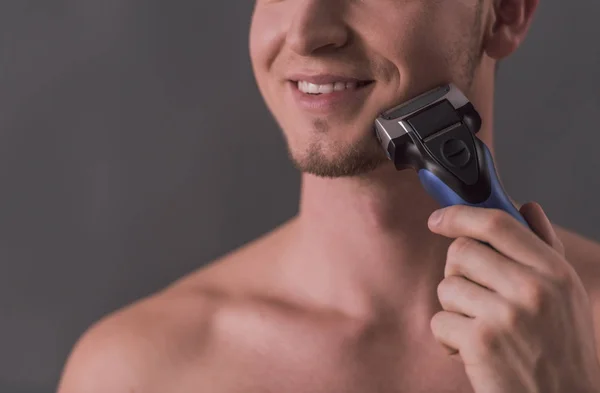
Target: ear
[{"x": 508, "y": 23}]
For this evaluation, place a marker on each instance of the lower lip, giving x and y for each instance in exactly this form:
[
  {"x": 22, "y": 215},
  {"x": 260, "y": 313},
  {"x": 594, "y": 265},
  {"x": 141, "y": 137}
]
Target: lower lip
[{"x": 323, "y": 103}]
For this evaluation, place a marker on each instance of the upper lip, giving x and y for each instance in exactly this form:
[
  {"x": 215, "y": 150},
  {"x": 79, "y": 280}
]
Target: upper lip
[{"x": 324, "y": 79}]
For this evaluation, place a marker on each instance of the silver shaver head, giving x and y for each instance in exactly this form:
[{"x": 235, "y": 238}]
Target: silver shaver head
[
  {"x": 393, "y": 124},
  {"x": 420, "y": 117},
  {"x": 449, "y": 92}
]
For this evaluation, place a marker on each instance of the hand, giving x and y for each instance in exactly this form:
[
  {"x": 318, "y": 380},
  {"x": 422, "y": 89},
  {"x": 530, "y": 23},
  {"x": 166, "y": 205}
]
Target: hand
[{"x": 515, "y": 312}]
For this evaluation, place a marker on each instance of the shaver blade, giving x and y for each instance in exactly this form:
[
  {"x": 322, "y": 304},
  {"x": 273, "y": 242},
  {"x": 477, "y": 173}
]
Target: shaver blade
[{"x": 392, "y": 124}]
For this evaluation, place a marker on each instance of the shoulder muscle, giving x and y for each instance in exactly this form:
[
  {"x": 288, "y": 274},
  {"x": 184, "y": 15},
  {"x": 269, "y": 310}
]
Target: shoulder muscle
[{"x": 143, "y": 348}]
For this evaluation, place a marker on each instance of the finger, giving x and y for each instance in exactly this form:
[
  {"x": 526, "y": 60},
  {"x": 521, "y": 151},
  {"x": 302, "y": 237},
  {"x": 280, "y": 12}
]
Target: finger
[
  {"x": 488, "y": 268},
  {"x": 500, "y": 230},
  {"x": 451, "y": 330},
  {"x": 459, "y": 295},
  {"x": 538, "y": 221}
]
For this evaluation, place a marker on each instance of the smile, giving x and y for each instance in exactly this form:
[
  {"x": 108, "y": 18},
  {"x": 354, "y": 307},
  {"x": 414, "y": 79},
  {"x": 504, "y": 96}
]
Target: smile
[
  {"x": 316, "y": 89},
  {"x": 330, "y": 96}
]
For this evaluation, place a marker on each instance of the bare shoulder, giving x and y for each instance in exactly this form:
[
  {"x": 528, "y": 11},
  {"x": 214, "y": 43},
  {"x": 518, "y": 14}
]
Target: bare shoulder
[
  {"x": 584, "y": 254},
  {"x": 168, "y": 341},
  {"x": 141, "y": 348}
]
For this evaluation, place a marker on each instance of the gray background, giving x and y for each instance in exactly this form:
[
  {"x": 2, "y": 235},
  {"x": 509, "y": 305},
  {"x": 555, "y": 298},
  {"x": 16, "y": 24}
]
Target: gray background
[{"x": 122, "y": 168}]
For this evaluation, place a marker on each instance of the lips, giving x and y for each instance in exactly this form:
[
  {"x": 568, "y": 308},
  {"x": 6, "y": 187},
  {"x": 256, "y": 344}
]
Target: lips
[
  {"x": 311, "y": 88},
  {"x": 324, "y": 79},
  {"x": 345, "y": 100}
]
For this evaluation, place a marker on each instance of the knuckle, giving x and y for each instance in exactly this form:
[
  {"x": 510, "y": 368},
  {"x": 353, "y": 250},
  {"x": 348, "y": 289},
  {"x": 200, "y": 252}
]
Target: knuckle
[
  {"x": 436, "y": 323},
  {"x": 446, "y": 288},
  {"x": 458, "y": 247},
  {"x": 534, "y": 296},
  {"x": 486, "y": 339},
  {"x": 442, "y": 288},
  {"x": 563, "y": 278},
  {"x": 509, "y": 316},
  {"x": 496, "y": 221}
]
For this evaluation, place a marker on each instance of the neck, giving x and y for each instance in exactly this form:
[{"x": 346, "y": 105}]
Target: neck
[{"x": 361, "y": 244}]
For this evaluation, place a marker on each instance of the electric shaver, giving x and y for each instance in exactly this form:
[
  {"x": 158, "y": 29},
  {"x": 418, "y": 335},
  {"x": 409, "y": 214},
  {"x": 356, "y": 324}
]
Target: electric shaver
[{"x": 435, "y": 134}]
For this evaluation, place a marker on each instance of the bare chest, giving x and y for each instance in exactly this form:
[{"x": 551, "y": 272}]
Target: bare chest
[
  {"x": 388, "y": 378},
  {"x": 341, "y": 370},
  {"x": 263, "y": 351}
]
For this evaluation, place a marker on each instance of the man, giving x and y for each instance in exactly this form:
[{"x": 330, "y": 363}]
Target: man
[{"x": 362, "y": 291}]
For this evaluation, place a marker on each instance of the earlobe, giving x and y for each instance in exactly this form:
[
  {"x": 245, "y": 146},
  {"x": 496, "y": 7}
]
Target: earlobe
[{"x": 507, "y": 25}]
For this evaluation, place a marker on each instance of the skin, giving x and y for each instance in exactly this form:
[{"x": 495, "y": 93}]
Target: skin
[{"x": 361, "y": 291}]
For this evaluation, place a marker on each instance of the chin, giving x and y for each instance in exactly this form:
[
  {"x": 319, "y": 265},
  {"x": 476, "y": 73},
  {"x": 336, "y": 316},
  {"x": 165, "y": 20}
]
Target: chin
[{"x": 324, "y": 155}]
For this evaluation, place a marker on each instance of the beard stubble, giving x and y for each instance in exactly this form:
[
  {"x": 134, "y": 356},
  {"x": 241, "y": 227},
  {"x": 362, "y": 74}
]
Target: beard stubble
[{"x": 337, "y": 159}]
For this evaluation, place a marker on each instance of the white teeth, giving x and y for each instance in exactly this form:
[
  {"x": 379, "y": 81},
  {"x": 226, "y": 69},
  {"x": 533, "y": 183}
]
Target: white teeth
[
  {"x": 339, "y": 86},
  {"x": 325, "y": 89},
  {"x": 311, "y": 88}
]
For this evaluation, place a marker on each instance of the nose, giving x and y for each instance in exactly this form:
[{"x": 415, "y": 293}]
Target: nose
[{"x": 317, "y": 26}]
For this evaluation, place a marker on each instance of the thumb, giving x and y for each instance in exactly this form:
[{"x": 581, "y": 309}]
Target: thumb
[{"x": 541, "y": 225}]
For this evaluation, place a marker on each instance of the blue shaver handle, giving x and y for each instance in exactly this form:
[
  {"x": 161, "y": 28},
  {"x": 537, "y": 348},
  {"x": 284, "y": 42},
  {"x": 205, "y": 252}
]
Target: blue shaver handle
[{"x": 446, "y": 196}]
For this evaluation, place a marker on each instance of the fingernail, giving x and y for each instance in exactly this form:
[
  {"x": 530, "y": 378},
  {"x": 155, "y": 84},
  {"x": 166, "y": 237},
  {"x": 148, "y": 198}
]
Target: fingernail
[{"x": 436, "y": 217}]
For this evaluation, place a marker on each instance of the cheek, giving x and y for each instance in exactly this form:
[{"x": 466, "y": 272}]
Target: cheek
[
  {"x": 418, "y": 42},
  {"x": 266, "y": 36}
]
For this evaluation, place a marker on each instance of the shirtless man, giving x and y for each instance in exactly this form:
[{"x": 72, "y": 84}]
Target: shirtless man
[{"x": 361, "y": 292}]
